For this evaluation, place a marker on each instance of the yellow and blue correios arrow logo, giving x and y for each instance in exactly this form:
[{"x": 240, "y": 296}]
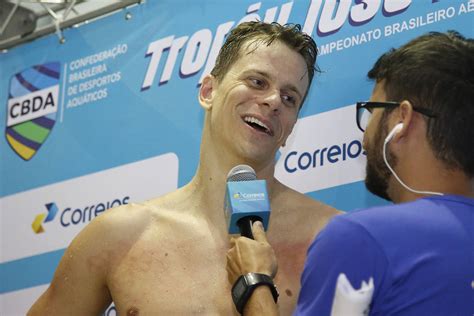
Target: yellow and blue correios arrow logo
[{"x": 37, "y": 224}]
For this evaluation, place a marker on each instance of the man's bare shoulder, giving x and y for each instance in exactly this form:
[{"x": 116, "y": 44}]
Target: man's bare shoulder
[
  {"x": 134, "y": 218},
  {"x": 111, "y": 234},
  {"x": 81, "y": 284},
  {"x": 296, "y": 216},
  {"x": 131, "y": 218},
  {"x": 302, "y": 203}
]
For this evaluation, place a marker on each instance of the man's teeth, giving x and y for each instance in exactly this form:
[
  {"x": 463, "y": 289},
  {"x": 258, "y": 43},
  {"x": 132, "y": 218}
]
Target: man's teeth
[{"x": 254, "y": 120}]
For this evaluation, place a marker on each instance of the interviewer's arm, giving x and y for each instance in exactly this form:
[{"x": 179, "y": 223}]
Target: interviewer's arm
[
  {"x": 257, "y": 256},
  {"x": 261, "y": 303}
]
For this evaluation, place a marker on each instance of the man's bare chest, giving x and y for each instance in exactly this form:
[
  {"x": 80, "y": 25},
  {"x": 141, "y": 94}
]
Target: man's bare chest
[
  {"x": 165, "y": 276},
  {"x": 186, "y": 274}
]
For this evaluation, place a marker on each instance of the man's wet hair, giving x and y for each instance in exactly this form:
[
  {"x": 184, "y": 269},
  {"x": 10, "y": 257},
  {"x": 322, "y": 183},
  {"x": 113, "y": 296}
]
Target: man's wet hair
[{"x": 263, "y": 33}]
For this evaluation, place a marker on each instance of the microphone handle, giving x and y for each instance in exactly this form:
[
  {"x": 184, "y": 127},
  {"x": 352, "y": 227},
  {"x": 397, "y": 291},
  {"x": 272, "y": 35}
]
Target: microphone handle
[{"x": 245, "y": 225}]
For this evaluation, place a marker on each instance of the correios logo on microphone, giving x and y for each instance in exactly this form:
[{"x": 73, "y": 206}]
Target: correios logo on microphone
[
  {"x": 249, "y": 196},
  {"x": 244, "y": 198},
  {"x": 32, "y": 107}
]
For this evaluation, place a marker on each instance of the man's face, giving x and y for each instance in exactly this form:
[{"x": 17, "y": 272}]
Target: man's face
[
  {"x": 377, "y": 174},
  {"x": 255, "y": 105}
]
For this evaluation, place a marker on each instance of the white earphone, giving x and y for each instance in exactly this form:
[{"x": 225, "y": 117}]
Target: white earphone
[{"x": 392, "y": 133}]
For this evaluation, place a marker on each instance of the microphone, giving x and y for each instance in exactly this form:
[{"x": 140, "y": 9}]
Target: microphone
[{"x": 246, "y": 201}]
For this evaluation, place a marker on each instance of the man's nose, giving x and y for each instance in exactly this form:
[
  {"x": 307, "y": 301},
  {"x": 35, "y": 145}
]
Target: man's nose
[{"x": 272, "y": 100}]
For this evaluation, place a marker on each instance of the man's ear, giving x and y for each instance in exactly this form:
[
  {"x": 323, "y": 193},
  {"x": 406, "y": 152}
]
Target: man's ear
[
  {"x": 206, "y": 92},
  {"x": 404, "y": 116}
]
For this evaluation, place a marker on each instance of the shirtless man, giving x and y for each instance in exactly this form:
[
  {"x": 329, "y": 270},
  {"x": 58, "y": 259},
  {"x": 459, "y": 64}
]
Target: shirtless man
[{"x": 167, "y": 256}]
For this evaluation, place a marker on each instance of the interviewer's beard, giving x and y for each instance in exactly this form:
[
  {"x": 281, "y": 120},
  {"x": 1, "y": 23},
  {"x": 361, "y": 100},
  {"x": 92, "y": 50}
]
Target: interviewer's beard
[{"x": 377, "y": 173}]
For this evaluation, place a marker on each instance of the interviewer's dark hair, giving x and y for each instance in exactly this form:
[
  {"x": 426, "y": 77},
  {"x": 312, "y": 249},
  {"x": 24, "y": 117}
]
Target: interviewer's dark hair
[
  {"x": 266, "y": 33},
  {"x": 436, "y": 71}
]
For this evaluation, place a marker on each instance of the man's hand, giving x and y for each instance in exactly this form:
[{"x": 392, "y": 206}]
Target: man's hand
[{"x": 247, "y": 255}]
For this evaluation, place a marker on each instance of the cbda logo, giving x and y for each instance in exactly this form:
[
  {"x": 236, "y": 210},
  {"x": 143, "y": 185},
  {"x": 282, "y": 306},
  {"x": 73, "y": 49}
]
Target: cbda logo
[{"x": 32, "y": 108}]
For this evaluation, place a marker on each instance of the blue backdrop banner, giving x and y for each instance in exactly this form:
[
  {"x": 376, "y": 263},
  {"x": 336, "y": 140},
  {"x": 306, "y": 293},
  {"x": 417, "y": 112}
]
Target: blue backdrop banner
[{"x": 111, "y": 116}]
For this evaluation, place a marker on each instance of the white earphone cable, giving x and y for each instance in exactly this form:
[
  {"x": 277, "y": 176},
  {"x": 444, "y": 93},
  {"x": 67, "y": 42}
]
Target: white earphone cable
[{"x": 396, "y": 176}]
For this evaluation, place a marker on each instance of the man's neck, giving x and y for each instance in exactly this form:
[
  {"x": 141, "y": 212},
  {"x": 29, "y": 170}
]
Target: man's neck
[
  {"x": 436, "y": 178},
  {"x": 207, "y": 188}
]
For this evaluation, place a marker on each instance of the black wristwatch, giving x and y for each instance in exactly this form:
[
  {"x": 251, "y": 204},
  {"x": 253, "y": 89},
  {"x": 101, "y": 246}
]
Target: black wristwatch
[{"x": 246, "y": 284}]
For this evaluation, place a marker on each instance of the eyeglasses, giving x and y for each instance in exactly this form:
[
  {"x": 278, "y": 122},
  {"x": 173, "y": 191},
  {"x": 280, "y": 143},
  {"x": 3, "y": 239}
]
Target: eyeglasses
[{"x": 364, "y": 111}]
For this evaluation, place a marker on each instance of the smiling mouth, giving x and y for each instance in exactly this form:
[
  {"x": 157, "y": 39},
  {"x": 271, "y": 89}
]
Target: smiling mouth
[{"x": 258, "y": 125}]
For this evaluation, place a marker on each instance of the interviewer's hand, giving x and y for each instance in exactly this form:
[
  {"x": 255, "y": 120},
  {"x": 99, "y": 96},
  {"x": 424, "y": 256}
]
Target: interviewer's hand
[{"x": 247, "y": 255}]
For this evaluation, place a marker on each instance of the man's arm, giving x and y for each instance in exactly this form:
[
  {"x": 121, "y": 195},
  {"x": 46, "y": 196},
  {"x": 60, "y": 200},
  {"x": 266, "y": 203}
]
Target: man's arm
[
  {"x": 257, "y": 256},
  {"x": 79, "y": 285}
]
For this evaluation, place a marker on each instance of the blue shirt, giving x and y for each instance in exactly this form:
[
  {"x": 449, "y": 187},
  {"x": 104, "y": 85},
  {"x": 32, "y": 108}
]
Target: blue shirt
[{"x": 420, "y": 254}]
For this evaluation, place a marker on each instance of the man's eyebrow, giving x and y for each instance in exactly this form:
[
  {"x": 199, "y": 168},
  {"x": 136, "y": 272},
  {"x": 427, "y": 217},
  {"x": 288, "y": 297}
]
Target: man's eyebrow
[
  {"x": 258, "y": 72},
  {"x": 264, "y": 74}
]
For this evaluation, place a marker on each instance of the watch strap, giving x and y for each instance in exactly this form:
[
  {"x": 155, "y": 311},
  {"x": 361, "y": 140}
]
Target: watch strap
[{"x": 245, "y": 285}]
